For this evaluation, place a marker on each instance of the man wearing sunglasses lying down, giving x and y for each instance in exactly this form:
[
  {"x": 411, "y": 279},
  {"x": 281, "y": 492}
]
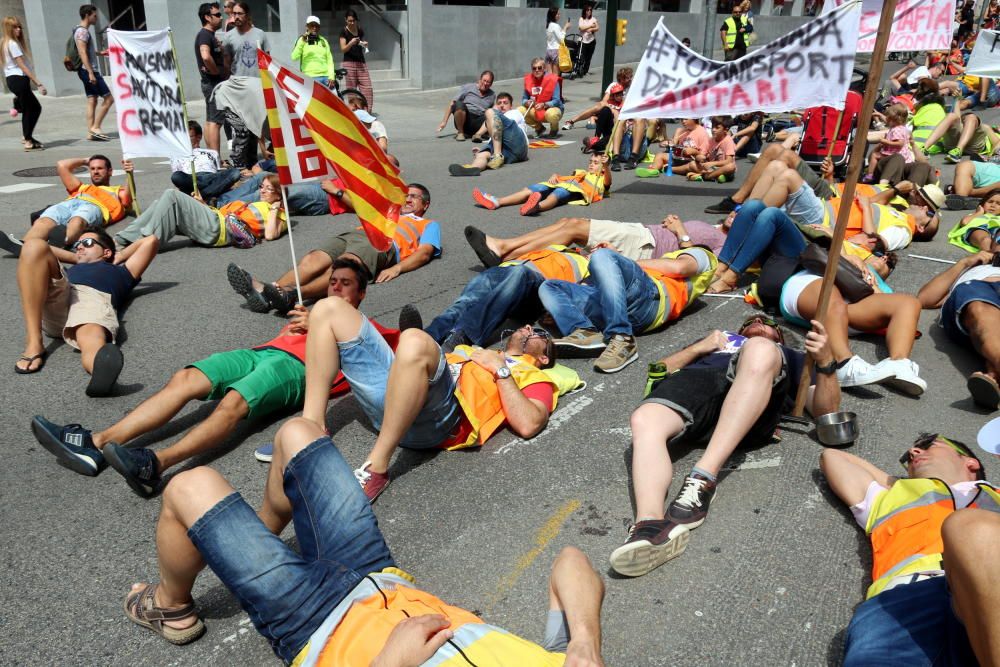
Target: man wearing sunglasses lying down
[
  {"x": 934, "y": 597},
  {"x": 78, "y": 303},
  {"x": 728, "y": 389}
]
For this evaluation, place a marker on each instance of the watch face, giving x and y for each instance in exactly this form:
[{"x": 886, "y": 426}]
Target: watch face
[{"x": 502, "y": 373}]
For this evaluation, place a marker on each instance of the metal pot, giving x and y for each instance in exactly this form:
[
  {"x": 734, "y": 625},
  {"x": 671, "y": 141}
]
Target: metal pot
[{"x": 835, "y": 429}]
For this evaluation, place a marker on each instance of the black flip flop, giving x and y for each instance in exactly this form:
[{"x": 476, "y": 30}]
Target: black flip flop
[
  {"x": 984, "y": 390},
  {"x": 29, "y": 370},
  {"x": 107, "y": 367},
  {"x": 477, "y": 239},
  {"x": 463, "y": 170}
]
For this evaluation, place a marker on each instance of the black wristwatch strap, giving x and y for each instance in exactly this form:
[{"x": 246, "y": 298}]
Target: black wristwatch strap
[{"x": 829, "y": 369}]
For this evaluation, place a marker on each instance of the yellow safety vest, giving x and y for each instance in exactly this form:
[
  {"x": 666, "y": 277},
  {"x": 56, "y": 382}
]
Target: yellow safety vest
[{"x": 732, "y": 30}]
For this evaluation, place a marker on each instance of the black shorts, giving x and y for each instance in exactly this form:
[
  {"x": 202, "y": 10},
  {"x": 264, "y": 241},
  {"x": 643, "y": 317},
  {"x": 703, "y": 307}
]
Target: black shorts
[
  {"x": 697, "y": 395},
  {"x": 212, "y": 113}
]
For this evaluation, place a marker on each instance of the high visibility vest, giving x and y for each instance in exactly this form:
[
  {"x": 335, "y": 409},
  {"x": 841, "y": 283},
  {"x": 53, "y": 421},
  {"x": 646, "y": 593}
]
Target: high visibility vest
[
  {"x": 985, "y": 222},
  {"x": 591, "y": 186},
  {"x": 254, "y": 214},
  {"x": 555, "y": 262},
  {"x": 883, "y": 217},
  {"x": 905, "y": 527},
  {"x": 104, "y": 197},
  {"x": 407, "y": 237},
  {"x": 361, "y": 624},
  {"x": 676, "y": 291},
  {"x": 732, "y": 30},
  {"x": 925, "y": 119},
  {"x": 479, "y": 397}
]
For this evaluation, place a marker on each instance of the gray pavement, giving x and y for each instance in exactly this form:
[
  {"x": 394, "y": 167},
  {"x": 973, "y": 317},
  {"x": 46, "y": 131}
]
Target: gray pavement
[{"x": 771, "y": 578}]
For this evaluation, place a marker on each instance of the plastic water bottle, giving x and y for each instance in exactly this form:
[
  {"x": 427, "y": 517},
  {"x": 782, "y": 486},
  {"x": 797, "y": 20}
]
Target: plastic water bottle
[{"x": 670, "y": 162}]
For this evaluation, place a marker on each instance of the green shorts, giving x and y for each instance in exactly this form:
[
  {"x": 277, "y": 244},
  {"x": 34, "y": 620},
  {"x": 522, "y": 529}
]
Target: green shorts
[{"x": 268, "y": 380}]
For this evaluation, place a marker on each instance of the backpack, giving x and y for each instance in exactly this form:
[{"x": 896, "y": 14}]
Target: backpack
[{"x": 72, "y": 61}]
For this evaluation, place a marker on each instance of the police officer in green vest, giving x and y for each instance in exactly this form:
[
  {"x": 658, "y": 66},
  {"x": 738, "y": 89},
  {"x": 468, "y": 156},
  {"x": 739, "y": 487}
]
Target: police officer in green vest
[{"x": 734, "y": 33}]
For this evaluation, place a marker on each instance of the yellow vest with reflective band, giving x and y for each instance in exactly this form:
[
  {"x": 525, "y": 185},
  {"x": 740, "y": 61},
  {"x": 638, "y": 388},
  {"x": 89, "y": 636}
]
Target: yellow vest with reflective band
[
  {"x": 925, "y": 119},
  {"x": 678, "y": 291},
  {"x": 971, "y": 81},
  {"x": 358, "y": 628},
  {"x": 732, "y": 30},
  {"x": 254, "y": 214},
  {"x": 104, "y": 197},
  {"x": 883, "y": 217},
  {"x": 479, "y": 397},
  {"x": 556, "y": 262},
  {"x": 591, "y": 186},
  {"x": 985, "y": 222},
  {"x": 905, "y": 527}
]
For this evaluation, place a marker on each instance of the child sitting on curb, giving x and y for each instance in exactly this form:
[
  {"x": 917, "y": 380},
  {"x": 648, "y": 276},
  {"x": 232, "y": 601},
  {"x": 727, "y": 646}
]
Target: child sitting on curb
[{"x": 582, "y": 187}]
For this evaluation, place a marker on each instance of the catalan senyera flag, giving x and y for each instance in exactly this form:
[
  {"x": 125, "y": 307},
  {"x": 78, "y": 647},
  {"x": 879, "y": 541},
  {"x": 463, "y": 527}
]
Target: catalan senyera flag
[{"x": 317, "y": 136}]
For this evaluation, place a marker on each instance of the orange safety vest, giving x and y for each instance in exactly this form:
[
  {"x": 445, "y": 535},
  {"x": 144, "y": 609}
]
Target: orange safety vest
[
  {"x": 254, "y": 214},
  {"x": 477, "y": 392},
  {"x": 882, "y": 217},
  {"x": 555, "y": 262},
  {"x": 591, "y": 186},
  {"x": 407, "y": 237},
  {"x": 678, "y": 291},
  {"x": 542, "y": 91},
  {"x": 905, "y": 527},
  {"x": 104, "y": 197}
]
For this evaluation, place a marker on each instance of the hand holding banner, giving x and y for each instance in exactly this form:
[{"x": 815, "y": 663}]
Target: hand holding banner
[
  {"x": 810, "y": 66},
  {"x": 148, "y": 97}
]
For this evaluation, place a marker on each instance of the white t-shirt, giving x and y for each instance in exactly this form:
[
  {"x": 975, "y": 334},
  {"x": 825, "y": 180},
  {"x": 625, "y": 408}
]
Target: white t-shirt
[
  {"x": 10, "y": 67},
  {"x": 981, "y": 272},
  {"x": 588, "y": 37},
  {"x": 205, "y": 161},
  {"x": 964, "y": 493},
  {"x": 896, "y": 238},
  {"x": 554, "y": 36},
  {"x": 518, "y": 118},
  {"x": 377, "y": 130}
]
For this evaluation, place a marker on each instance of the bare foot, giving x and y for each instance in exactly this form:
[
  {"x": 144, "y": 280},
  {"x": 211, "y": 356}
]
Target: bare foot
[{"x": 494, "y": 245}]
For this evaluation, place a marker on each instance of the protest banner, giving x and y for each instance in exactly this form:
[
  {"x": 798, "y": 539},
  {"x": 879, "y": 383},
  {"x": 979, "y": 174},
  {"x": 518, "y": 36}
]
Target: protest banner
[
  {"x": 810, "y": 66},
  {"x": 985, "y": 58},
  {"x": 918, "y": 25},
  {"x": 148, "y": 99}
]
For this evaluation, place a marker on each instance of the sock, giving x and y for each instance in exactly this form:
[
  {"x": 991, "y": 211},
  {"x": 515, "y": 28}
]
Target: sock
[{"x": 703, "y": 473}]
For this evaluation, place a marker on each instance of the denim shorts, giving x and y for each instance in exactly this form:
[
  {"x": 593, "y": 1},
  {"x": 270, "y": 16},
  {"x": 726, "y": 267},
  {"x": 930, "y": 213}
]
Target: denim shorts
[
  {"x": 992, "y": 95},
  {"x": 515, "y": 143},
  {"x": 804, "y": 206},
  {"x": 365, "y": 362},
  {"x": 64, "y": 211},
  {"x": 962, "y": 296},
  {"x": 97, "y": 89},
  {"x": 562, "y": 194},
  {"x": 288, "y": 595}
]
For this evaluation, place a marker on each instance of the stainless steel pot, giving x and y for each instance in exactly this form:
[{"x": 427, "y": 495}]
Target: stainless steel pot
[{"x": 836, "y": 429}]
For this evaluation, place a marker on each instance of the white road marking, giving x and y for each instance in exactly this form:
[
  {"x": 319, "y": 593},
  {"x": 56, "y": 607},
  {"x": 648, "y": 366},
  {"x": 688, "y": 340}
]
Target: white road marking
[
  {"x": 560, "y": 417},
  {"x": 762, "y": 463},
  {"x": 23, "y": 187}
]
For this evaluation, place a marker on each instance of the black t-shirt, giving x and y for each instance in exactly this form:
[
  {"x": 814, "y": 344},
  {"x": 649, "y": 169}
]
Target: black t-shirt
[
  {"x": 355, "y": 54},
  {"x": 743, "y": 121},
  {"x": 113, "y": 279},
  {"x": 794, "y": 362},
  {"x": 207, "y": 37}
]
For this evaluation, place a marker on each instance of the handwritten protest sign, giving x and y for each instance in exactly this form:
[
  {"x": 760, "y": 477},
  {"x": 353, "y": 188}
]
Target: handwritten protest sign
[
  {"x": 147, "y": 95},
  {"x": 918, "y": 25},
  {"x": 985, "y": 58},
  {"x": 810, "y": 66}
]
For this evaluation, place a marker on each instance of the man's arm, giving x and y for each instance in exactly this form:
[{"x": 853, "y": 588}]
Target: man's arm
[
  {"x": 933, "y": 294},
  {"x": 722, "y": 34},
  {"x": 422, "y": 255},
  {"x": 824, "y": 396},
  {"x": 205, "y": 51},
  {"x": 525, "y": 416},
  {"x": 65, "y": 169},
  {"x": 139, "y": 255},
  {"x": 867, "y": 223},
  {"x": 850, "y": 476},
  {"x": 683, "y": 266},
  {"x": 713, "y": 342}
]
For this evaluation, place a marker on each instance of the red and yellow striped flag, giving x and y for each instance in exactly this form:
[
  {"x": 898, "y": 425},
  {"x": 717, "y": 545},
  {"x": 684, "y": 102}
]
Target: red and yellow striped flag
[{"x": 313, "y": 131}]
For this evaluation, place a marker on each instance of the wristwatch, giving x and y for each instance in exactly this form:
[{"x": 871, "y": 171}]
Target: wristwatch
[
  {"x": 339, "y": 194},
  {"x": 829, "y": 369},
  {"x": 684, "y": 239},
  {"x": 501, "y": 373}
]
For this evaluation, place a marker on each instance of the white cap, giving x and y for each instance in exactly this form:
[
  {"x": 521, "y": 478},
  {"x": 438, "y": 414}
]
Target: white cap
[
  {"x": 989, "y": 436},
  {"x": 364, "y": 116},
  {"x": 312, "y": 19}
]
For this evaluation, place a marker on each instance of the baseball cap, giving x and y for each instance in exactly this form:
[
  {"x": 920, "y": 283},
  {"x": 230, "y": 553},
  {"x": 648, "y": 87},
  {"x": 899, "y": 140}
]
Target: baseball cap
[
  {"x": 933, "y": 195},
  {"x": 364, "y": 116},
  {"x": 616, "y": 89},
  {"x": 989, "y": 437},
  {"x": 312, "y": 19}
]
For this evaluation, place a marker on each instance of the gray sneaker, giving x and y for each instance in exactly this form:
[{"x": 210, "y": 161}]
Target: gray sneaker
[
  {"x": 620, "y": 352},
  {"x": 579, "y": 343}
]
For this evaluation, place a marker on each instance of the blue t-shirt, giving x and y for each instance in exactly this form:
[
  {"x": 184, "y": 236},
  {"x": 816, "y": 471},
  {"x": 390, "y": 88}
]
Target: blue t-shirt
[
  {"x": 431, "y": 236},
  {"x": 112, "y": 279}
]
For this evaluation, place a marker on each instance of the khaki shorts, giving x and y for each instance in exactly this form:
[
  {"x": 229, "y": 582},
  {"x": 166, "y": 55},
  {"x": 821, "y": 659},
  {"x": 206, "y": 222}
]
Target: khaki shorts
[
  {"x": 631, "y": 239},
  {"x": 70, "y": 306},
  {"x": 978, "y": 145}
]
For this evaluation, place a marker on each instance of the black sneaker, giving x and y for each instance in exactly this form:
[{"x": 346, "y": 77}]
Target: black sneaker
[
  {"x": 409, "y": 318},
  {"x": 279, "y": 299},
  {"x": 139, "y": 467},
  {"x": 690, "y": 507},
  {"x": 616, "y": 163},
  {"x": 71, "y": 444},
  {"x": 650, "y": 544},
  {"x": 242, "y": 282},
  {"x": 11, "y": 243},
  {"x": 630, "y": 163},
  {"x": 727, "y": 205},
  {"x": 454, "y": 339},
  {"x": 463, "y": 170}
]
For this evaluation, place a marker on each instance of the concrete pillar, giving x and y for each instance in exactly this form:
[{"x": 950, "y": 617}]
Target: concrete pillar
[
  {"x": 418, "y": 16},
  {"x": 515, "y": 3},
  {"x": 766, "y": 6},
  {"x": 638, "y": 5},
  {"x": 798, "y": 8}
]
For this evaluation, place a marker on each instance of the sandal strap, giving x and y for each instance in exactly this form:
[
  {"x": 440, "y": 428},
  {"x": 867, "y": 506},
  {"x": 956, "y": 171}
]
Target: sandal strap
[{"x": 144, "y": 607}]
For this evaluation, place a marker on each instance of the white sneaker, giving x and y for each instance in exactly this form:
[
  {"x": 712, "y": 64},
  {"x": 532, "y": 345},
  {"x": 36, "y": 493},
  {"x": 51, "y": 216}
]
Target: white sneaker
[
  {"x": 857, "y": 372},
  {"x": 905, "y": 376},
  {"x": 753, "y": 157}
]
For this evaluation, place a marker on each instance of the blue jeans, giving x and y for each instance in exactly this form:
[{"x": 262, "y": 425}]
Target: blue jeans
[
  {"x": 562, "y": 194},
  {"x": 486, "y": 302},
  {"x": 303, "y": 198},
  {"x": 619, "y": 299},
  {"x": 247, "y": 191},
  {"x": 912, "y": 625},
  {"x": 210, "y": 184},
  {"x": 288, "y": 595},
  {"x": 759, "y": 232}
]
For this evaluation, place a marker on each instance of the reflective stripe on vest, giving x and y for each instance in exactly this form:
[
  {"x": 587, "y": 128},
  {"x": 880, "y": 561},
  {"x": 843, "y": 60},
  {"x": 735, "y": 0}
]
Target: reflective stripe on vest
[
  {"x": 555, "y": 262},
  {"x": 925, "y": 120},
  {"x": 409, "y": 228},
  {"x": 682, "y": 291},
  {"x": 905, "y": 527},
  {"x": 104, "y": 197}
]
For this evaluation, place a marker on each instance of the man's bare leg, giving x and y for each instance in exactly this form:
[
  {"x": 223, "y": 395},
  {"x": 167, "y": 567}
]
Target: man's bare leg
[
  {"x": 653, "y": 426},
  {"x": 36, "y": 269},
  {"x": 416, "y": 361},
  {"x": 91, "y": 109},
  {"x": 982, "y": 321},
  {"x": 74, "y": 228},
  {"x": 314, "y": 273},
  {"x": 564, "y": 231},
  {"x": 577, "y": 590},
  {"x": 40, "y": 229},
  {"x": 771, "y": 152},
  {"x": 212, "y": 137},
  {"x": 208, "y": 434},
  {"x": 90, "y": 338},
  {"x": 106, "y": 103},
  {"x": 332, "y": 320},
  {"x": 970, "y": 538}
]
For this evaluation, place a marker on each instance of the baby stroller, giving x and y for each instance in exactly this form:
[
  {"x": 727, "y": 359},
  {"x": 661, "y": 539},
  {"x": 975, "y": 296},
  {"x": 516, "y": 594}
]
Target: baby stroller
[{"x": 574, "y": 42}]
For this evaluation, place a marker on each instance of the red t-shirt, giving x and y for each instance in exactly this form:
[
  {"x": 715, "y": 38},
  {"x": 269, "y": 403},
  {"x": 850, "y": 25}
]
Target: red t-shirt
[{"x": 540, "y": 391}]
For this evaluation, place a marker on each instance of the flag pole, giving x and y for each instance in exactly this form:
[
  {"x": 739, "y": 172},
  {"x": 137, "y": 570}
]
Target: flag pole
[
  {"x": 291, "y": 243},
  {"x": 850, "y": 183},
  {"x": 130, "y": 179},
  {"x": 184, "y": 108}
]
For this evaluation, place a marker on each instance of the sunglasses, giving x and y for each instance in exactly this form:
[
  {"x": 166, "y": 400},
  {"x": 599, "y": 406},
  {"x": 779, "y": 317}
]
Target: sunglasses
[
  {"x": 87, "y": 243},
  {"x": 537, "y": 69},
  {"x": 218, "y": 16},
  {"x": 928, "y": 440},
  {"x": 536, "y": 332},
  {"x": 766, "y": 321}
]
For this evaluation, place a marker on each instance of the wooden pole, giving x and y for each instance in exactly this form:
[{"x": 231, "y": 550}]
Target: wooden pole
[
  {"x": 184, "y": 108},
  {"x": 850, "y": 183},
  {"x": 130, "y": 179},
  {"x": 836, "y": 133}
]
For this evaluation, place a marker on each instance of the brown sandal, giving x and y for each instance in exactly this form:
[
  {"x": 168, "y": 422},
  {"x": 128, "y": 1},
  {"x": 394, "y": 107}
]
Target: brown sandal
[{"x": 141, "y": 609}]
